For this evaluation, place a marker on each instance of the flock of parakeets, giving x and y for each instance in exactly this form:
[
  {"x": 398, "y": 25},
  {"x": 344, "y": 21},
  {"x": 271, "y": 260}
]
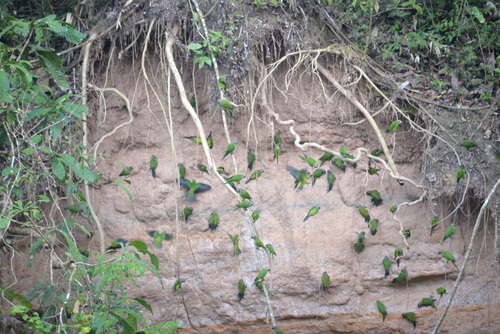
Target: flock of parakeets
[{"x": 301, "y": 178}]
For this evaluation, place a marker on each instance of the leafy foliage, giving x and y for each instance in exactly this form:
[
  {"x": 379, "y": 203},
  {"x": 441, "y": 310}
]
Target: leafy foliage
[{"x": 40, "y": 119}]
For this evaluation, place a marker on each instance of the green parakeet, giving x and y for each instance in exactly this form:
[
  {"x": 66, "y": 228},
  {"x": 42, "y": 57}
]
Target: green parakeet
[
  {"x": 364, "y": 212},
  {"x": 410, "y": 316},
  {"x": 192, "y": 101},
  {"x": 312, "y": 211},
  {"x": 236, "y": 244},
  {"x": 375, "y": 195},
  {"x": 153, "y": 164},
  {"x": 325, "y": 157},
  {"x": 178, "y": 284},
  {"x": 260, "y": 276},
  {"x": 359, "y": 247},
  {"x": 126, "y": 171},
  {"x": 221, "y": 81},
  {"x": 117, "y": 244},
  {"x": 255, "y": 175},
  {"x": 271, "y": 250},
  {"x": 244, "y": 194},
  {"x": 301, "y": 177},
  {"x": 407, "y": 233},
  {"x": 441, "y": 291},
  {"x": 236, "y": 178},
  {"x": 382, "y": 309},
  {"x": 186, "y": 212},
  {"x": 449, "y": 257},
  {"x": 427, "y": 302},
  {"x": 434, "y": 223},
  {"x": 255, "y": 215},
  {"x": 277, "y": 153},
  {"x": 373, "y": 171},
  {"x": 387, "y": 266},
  {"x": 310, "y": 161},
  {"x": 317, "y": 174},
  {"x": 75, "y": 209},
  {"x": 325, "y": 282},
  {"x": 158, "y": 238},
  {"x": 198, "y": 140},
  {"x": 449, "y": 232},
  {"x": 393, "y": 126},
  {"x": 403, "y": 275},
  {"x": 182, "y": 170},
  {"x": 393, "y": 209},
  {"x": 221, "y": 170},
  {"x": 373, "y": 224},
  {"x": 241, "y": 289},
  {"x": 230, "y": 149},
  {"x": 460, "y": 172},
  {"x": 330, "y": 177},
  {"x": 277, "y": 138},
  {"x": 345, "y": 154},
  {"x": 250, "y": 159},
  {"x": 245, "y": 204},
  {"x": 376, "y": 152},
  {"x": 468, "y": 144},
  {"x": 397, "y": 254},
  {"x": 227, "y": 106},
  {"x": 203, "y": 168},
  {"x": 258, "y": 243},
  {"x": 213, "y": 221},
  {"x": 277, "y": 330},
  {"x": 193, "y": 188},
  {"x": 339, "y": 163}
]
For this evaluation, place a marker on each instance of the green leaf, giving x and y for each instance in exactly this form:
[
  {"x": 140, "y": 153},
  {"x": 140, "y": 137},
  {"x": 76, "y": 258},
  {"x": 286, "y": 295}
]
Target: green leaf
[
  {"x": 35, "y": 246},
  {"x": 80, "y": 170},
  {"x": 52, "y": 65},
  {"x": 38, "y": 112},
  {"x": 28, "y": 151},
  {"x": 44, "y": 198},
  {"x": 10, "y": 171},
  {"x": 194, "y": 46},
  {"x": 154, "y": 261},
  {"x": 141, "y": 246},
  {"x": 144, "y": 303},
  {"x": 4, "y": 223},
  {"x": 5, "y": 87},
  {"x": 58, "y": 169},
  {"x": 36, "y": 139},
  {"x": 56, "y": 130},
  {"x": 477, "y": 14},
  {"x": 46, "y": 150},
  {"x": 129, "y": 195}
]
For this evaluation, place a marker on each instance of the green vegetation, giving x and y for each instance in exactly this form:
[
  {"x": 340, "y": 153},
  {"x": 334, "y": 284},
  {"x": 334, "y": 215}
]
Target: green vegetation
[{"x": 40, "y": 119}]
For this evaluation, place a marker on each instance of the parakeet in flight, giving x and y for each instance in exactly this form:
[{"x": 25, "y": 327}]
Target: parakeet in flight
[
  {"x": 193, "y": 188},
  {"x": 236, "y": 244}
]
